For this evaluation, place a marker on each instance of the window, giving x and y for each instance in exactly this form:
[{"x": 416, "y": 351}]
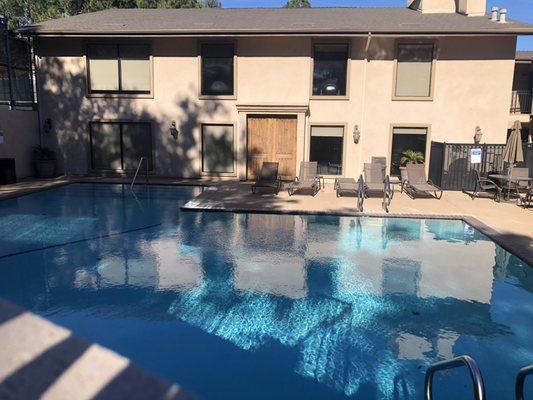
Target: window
[
  {"x": 16, "y": 76},
  {"x": 120, "y": 145},
  {"x": 119, "y": 69},
  {"x": 403, "y": 139},
  {"x": 217, "y": 148},
  {"x": 330, "y": 68},
  {"x": 217, "y": 69},
  {"x": 413, "y": 70},
  {"x": 327, "y": 148}
]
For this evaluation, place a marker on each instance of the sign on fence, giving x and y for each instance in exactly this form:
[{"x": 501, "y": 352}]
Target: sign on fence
[{"x": 475, "y": 156}]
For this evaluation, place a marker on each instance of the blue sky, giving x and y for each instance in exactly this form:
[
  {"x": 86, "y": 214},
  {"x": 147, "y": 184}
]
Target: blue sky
[{"x": 517, "y": 9}]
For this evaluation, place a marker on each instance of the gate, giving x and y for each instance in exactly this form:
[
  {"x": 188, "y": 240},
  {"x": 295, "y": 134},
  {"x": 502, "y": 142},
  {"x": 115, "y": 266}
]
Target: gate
[{"x": 451, "y": 168}]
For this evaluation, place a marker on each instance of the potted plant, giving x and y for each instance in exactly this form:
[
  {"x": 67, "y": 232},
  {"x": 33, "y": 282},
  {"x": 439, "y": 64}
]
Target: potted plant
[
  {"x": 45, "y": 162},
  {"x": 409, "y": 157}
]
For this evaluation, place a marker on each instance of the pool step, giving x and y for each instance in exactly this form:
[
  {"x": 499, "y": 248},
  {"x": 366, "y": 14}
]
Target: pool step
[{"x": 475, "y": 373}]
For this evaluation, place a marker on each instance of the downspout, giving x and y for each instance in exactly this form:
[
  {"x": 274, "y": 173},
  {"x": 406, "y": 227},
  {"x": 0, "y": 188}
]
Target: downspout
[{"x": 363, "y": 101}]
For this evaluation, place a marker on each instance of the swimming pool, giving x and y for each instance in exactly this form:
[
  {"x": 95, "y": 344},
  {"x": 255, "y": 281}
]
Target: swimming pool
[{"x": 269, "y": 306}]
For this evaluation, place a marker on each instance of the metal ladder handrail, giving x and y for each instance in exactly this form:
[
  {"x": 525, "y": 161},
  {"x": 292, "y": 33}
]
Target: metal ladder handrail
[
  {"x": 520, "y": 380},
  {"x": 360, "y": 193},
  {"x": 137, "y": 171},
  {"x": 475, "y": 373},
  {"x": 388, "y": 193}
]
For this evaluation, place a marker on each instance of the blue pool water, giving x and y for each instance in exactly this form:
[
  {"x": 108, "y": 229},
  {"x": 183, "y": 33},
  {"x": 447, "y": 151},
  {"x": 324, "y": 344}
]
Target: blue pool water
[{"x": 254, "y": 306}]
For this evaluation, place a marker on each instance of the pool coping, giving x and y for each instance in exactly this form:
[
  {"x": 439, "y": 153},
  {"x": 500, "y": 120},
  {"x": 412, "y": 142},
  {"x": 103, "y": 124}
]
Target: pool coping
[{"x": 506, "y": 241}]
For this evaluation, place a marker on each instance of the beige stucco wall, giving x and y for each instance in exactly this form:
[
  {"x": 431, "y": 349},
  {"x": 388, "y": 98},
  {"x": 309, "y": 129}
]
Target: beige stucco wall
[
  {"x": 21, "y": 134},
  {"x": 472, "y": 85}
]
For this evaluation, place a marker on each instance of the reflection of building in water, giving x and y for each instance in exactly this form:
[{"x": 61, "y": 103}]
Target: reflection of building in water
[{"x": 409, "y": 346}]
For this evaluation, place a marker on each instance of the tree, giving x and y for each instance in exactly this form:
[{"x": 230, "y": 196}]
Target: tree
[
  {"x": 297, "y": 4},
  {"x": 24, "y": 12}
]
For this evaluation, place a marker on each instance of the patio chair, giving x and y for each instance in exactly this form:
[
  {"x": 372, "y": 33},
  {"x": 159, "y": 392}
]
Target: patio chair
[
  {"x": 519, "y": 186},
  {"x": 307, "y": 180},
  {"x": 485, "y": 185},
  {"x": 268, "y": 178},
  {"x": 378, "y": 182},
  {"x": 417, "y": 183},
  {"x": 351, "y": 186},
  {"x": 526, "y": 200}
]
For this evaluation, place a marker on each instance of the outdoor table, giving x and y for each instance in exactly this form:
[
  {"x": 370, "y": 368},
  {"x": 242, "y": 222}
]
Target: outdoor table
[{"x": 508, "y": 179}]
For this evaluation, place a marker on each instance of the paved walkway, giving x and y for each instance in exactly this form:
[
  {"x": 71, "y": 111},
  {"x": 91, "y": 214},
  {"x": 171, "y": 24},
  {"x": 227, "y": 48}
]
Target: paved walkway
[{"x": 56, "y": 365}]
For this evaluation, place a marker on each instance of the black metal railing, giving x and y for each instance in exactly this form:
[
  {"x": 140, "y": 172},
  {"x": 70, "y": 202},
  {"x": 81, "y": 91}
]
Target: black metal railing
[
  {"x": 17, "y": 87},
  {"x": 521, "y": 101}
]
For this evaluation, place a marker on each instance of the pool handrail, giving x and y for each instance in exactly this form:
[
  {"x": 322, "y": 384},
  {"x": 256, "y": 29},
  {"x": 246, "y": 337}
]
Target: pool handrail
[
  {"x": 520, "y": 381},
  {"x": 137, "y": 171},
  {"x": 475, "y": 373}
]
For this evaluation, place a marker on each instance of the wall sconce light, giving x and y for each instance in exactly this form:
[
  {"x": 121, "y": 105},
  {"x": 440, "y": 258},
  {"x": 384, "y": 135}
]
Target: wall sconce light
[
  {"x": 47, "y": 126},
  {"x": 478, "y": 135},
  {"x": 356, "y": 134},
  {"x": 174, "y": 130}
]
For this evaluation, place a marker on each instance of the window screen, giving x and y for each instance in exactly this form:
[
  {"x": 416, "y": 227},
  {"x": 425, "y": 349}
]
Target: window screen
[
  {"x": 413, "y": 72},
  {"x": 327, "y": 144},
  {"x": 119, "y": 68},
  {"x": 330, "y": 69},
  {"x": 217, "y": 69},
  {"x": 217, "y": 148}
]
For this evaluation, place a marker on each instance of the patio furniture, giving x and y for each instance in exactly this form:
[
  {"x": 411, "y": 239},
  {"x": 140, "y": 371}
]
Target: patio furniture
[
  {"x": 379, "y": 160},
  {"x": 511, "y": 182},
  {"x": 485, "y": 185},
  {"x": 268, "y": 178},
  {"x": 307, "y": 180},
  {"x": 526, "y": 199},
  {"x": 351, "y": 186},
  {"x": 403, "y": 178},
  {"x": 417, "y": 183},
  {"x": 376, "y": 181}
]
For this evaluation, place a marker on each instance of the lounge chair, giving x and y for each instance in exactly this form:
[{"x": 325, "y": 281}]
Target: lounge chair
[
  {"x": 378, "y": 182},
  {"x": 417, "y": 183},
  {"x": 520, "y": 186},
  {"x": 307, "y": 180},
  {"x": 351, "y": 186},
  {"x": 485, "y": 185},
  {"x": 403, "y": 178},
  {"x": 268, "y": 178}
]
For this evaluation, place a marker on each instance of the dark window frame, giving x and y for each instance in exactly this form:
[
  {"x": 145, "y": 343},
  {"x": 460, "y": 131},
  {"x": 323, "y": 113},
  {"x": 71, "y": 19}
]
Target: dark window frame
[
  {"x": 233, "y": 167},
  {"x": 120, "y": 124},
  {"x": 346, "y": 78},
  {"x": 201, "y": 57},
  {"x": 119, "y": 91},
  {"x": 342, "y": 126}
]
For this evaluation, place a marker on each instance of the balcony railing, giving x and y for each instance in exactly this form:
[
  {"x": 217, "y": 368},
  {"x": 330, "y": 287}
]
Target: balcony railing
[{"x": 521, "y": 102}]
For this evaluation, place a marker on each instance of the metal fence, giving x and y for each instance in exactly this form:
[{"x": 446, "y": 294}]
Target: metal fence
[
  {"x": 521, "y": 102},
  {"x": 451, "y": 165},
  {"x": 16, "y": 69}
]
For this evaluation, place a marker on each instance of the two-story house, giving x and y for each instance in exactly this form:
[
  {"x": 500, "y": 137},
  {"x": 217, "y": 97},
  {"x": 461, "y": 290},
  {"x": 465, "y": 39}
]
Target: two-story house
[{"x": 205, "y": 92}]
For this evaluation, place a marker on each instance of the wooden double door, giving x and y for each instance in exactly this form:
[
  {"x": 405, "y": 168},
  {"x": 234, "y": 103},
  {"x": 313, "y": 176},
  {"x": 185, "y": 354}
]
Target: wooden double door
[{"x": 272, "y": 138}]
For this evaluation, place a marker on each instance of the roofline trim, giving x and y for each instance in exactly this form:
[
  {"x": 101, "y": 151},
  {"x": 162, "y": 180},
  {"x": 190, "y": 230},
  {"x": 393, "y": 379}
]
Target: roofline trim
[{"x": 486, "y": 32}]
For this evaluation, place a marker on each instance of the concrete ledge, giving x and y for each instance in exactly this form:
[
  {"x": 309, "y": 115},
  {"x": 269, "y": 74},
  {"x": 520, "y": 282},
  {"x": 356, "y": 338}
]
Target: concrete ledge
[{"x": 41, "y": 360}]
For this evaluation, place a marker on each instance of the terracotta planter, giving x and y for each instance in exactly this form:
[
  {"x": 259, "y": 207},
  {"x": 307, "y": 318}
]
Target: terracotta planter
[{"x": 45, "y": 168}]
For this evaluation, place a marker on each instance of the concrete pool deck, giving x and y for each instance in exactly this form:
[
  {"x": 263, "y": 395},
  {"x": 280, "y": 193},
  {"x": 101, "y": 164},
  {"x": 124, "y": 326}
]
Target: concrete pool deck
[{"x": 40, "y": 360}]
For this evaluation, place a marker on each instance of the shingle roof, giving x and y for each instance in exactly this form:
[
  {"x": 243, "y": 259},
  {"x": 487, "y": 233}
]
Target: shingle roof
[
  {"x": 269, "y": 21},
  {"x": 524, "y": 55}
]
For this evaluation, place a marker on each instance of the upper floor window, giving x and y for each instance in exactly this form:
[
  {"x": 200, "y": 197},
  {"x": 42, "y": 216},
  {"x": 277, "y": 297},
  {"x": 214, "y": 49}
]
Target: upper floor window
[
  {"x": 330, "y": 68},
  {"x": 217, "y": 69},
  {"x": 414, "y": 70},
  {"x": 119, "y": 69}
]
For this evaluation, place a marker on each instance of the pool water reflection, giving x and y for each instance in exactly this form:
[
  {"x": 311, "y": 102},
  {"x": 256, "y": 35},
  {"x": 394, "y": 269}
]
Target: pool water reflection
[{"x": 269, "y": 306}]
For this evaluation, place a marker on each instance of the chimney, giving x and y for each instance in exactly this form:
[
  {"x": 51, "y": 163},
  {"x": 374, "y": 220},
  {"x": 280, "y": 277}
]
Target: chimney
[
  {"x": 432, "y": 6},
  {"x": 472, "y": 8}
]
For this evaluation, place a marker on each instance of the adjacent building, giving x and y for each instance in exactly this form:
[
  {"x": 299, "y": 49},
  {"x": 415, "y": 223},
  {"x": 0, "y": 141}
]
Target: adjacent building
[{"x": 215, "y": 92}]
